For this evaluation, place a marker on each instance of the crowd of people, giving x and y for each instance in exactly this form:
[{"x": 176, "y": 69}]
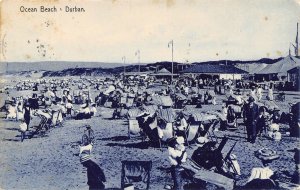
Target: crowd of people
[{"x": 160, "y": 116}]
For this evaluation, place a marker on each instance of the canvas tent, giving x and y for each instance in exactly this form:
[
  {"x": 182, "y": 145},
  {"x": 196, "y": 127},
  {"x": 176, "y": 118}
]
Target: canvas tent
[
  {"x": 279, "y": 69},
  {"x": 163, "y": 73}
]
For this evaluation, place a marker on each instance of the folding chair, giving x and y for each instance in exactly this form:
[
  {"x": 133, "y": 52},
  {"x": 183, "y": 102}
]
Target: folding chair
[
  {"x": 133, "y": 127},
  {"x": 210, "y": 130},
  {"x": 228, "y": 161},
  {"x": 192, "y": 133},
  {"x": 136, "y": 173},
  {"x": 168, "y": 132},
  {"x": 207, "y": 175}
]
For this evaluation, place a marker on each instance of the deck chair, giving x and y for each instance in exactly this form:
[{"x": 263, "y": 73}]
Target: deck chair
[
  {"x": 136, "y": 173},
  {"x": 129, "y": 103},
  {"x": 207, "y": 175},
  {"x": 210, "y": 130},
  {"x": 192, "y": 133},
  {"x": 42, "y": 126},
  {"x": 228, "y": 161},
  {"x": 133, "y": 128},
  {"x": 123, "y": 100},
  {"x": 168, "y": 132}
]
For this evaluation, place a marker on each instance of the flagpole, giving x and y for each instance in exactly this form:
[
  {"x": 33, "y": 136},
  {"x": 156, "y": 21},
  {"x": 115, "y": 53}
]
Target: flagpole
[
  {"x": 172, "y": 59},
  {"x": 124, "y": 59},
  {"x": 137, "y": 53},
  {"x": 172, "y": 64},
  {"x": 296, "y": 49}
]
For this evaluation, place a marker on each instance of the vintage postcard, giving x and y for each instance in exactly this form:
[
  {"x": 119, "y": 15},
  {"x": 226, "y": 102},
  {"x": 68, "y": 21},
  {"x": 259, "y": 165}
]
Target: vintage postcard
[{"x": 149, "y": 94}]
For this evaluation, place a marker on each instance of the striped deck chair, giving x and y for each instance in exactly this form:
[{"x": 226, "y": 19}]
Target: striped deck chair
[
  {"x": 168, "y": 132},
  {"x": 133, "y": 125},
  {"x": 123, "y": 100},
  {"x": 192, "y": 132},
  {"x": 129, "y": 103},
  {"x": 133, "y": 113},
  {"x": 136, "y": 173},
  {"x": 133, "y": 128}
]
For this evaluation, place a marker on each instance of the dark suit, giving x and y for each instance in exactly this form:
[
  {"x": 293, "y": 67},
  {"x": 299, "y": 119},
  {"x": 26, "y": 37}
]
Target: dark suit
[{"x": 251, "y": 114}]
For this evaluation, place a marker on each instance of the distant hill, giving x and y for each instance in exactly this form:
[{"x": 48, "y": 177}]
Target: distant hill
[
  {"x": 11, "y": 67},
  {"x": 64, "y": 68},
  {"x": 144, "y": 67}
]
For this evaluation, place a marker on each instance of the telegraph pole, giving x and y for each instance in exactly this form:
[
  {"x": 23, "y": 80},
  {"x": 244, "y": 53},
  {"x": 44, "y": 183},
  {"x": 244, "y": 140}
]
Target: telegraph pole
[
  {"x": 171, "y": 42},
  {"x": 297, "y": 43},
  {"x": 137, "y": 53},
  {"x": 124, "y": 60}
]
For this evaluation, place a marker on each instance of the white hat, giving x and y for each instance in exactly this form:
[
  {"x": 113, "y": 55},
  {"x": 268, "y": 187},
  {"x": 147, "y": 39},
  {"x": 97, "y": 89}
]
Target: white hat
[
  {"x": 83, "y": 105},
  {"x": 201, "y": 141},
  {"x": 180, "y": 140}
]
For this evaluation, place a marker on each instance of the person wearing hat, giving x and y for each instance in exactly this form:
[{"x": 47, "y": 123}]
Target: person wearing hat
[
  {"x": 177, "y": 156},
  {"x": 251, "y": 114},
  {"x": 84, "y": 112},
  {"x": 180, "y": 125},
  {"x": 26, "y": 113},
  {"x": 296, "y": 176},
  {"x": 69, "y": 107},
  {"x": 259, "y": 92},
  {"x": 263, "y": 177},
  {"x": 93, "y": 109}
]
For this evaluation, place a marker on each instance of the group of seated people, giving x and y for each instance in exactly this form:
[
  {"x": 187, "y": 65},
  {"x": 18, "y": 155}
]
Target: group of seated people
[{"x": 85, "y": 111}]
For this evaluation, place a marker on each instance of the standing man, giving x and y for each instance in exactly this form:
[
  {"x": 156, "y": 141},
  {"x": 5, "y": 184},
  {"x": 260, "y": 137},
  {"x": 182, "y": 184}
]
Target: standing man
[
  {"x": 251, "y": 114},
  {"x": 177, "y": 156}
]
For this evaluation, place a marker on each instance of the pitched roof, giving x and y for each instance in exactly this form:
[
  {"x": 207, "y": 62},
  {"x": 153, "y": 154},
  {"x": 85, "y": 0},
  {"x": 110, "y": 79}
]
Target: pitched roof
[
  {"x": 293, "y": 70},
  {"x": 163, "y": 72},
  {"x": 282, "y": 66},
  {"x": 256, "y": 67},
  {"x": 220, "y": 69}
]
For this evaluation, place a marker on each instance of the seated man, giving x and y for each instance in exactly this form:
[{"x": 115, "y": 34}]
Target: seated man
[
  {"x": 206, "y": 155},
  {"x": 231, "y": 118},
  {"x": 84, "y": 112},
  {"x": 180, "y": 126},
  {"x": 93, "y": 110}
]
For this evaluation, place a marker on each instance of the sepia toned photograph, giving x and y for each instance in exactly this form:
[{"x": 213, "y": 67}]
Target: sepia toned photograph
[{"x": 149, "y": 94}]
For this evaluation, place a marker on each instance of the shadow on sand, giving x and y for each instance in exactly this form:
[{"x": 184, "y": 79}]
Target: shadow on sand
[
  {"x": 116, "y": 138},
  {"x": 139, "y": 145},
  {"x": 12, "y": 129},
  {"x": 95, "y": 175}
]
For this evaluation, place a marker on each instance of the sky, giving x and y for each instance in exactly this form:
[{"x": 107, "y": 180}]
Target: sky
[{"x": 108, "y": 30}]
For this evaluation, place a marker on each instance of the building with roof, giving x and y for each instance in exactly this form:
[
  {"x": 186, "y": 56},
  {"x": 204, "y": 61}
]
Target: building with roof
[
  {"x": 163, "y": 73},
  {"x": 293, "y": 77},
  {"x": 215, "y": 71},
  {"x": 278, "y": 70}
]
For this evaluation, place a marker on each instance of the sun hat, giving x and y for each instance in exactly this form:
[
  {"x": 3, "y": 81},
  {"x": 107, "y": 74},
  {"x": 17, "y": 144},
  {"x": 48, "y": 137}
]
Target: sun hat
[
  {"x": 180, "y": 140},
  {"x": 266, "y": 154},
  {"x": 200, "y": 141}
]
